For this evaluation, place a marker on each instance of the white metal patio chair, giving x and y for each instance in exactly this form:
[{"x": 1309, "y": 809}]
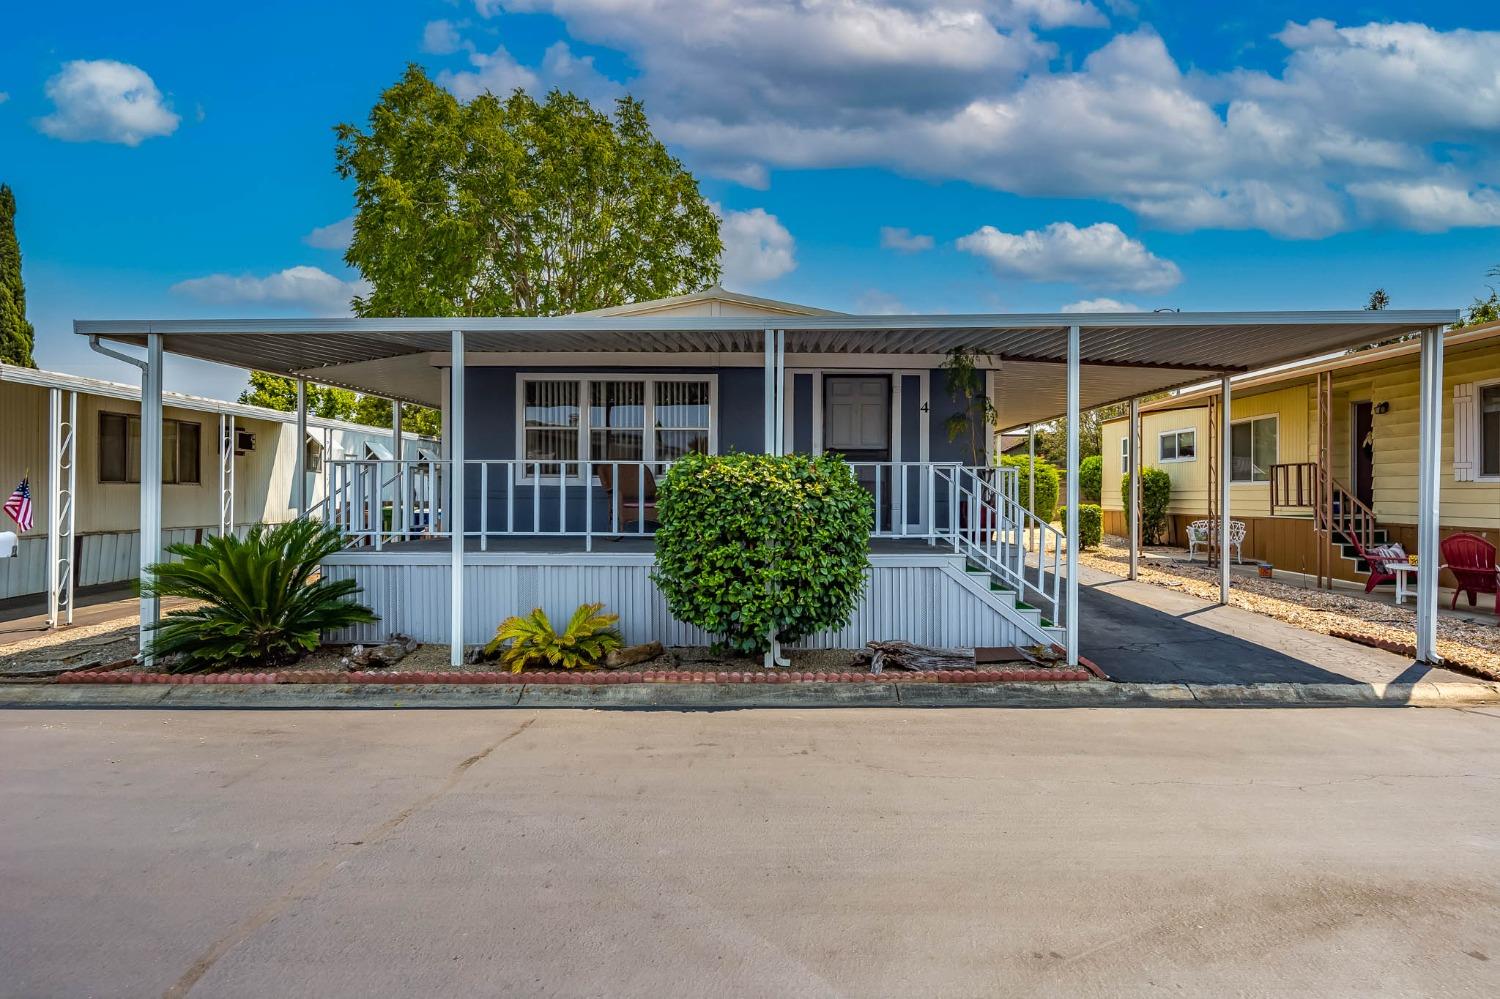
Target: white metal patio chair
[{"x": 1201, "y": 534}]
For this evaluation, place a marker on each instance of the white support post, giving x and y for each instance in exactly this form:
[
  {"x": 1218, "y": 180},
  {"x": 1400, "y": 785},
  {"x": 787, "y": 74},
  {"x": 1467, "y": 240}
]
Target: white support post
[
  {"x": 1429, "y": 454},
  {"x": 1226, "y": 467},
  {"x": 151, "y": 434},
  {"x": 1133, "y": 500},
  {"x": 62, "y": 489},
  {"x": 1070, "y": 620},
  {"x": 398, "y": 504},
  {"x": 299, "y": 459},
  {"x": 779, "y": 401},
  {"x": 1031, "y": 526},
  {"x": 226, "y": 475},
  {"x": 769, "y": 393},
  {"x": 453, "y": 422}
]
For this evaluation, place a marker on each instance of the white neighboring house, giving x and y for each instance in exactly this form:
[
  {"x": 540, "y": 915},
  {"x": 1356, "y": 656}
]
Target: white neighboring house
[{"x": 202, "y": 494}]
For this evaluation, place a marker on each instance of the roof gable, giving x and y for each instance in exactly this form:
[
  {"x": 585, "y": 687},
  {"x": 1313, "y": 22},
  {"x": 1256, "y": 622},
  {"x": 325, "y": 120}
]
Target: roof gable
[{"x": 714, "y": 301}]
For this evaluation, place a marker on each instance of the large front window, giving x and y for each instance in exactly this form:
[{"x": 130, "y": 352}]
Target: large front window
[
  {"x": 595, "y": 418},
  {"x": 1252, "y": 450}
]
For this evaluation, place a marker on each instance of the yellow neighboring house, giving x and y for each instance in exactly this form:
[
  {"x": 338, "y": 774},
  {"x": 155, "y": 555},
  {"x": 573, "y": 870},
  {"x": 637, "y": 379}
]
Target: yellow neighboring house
[{"x": 1327, "y": 447}]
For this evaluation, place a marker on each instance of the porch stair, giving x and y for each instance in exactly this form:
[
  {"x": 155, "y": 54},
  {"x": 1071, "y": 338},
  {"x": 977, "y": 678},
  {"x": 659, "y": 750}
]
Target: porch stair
[
  {"x": 1354, "y": 521},
  {"x": 1009, "y": 605}
]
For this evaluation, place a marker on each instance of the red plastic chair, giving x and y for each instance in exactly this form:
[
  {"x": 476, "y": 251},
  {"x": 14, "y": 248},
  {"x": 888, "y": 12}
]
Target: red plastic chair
[
  {"x": 1472, "y": 560},
  {"x": 1379, "y": 573}
]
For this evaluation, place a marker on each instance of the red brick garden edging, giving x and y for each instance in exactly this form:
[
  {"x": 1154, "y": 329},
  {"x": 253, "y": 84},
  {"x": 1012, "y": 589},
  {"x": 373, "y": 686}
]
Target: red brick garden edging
[{"x": 578, "y": 678}]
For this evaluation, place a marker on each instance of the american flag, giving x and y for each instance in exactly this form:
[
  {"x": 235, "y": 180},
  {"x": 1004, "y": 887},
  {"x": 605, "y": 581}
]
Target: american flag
[{"x": 19, "y": 505}]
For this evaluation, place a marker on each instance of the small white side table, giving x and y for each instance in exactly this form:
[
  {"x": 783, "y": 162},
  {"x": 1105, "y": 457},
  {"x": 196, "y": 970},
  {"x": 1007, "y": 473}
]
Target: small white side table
[{"x": 1405, "y": 572}]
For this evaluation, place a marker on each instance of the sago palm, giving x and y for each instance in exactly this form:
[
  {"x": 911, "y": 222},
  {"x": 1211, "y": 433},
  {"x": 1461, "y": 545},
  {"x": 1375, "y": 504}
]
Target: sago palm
[
  {"x": 588, "y": 638},
  {"x": 260, "y": 602}
]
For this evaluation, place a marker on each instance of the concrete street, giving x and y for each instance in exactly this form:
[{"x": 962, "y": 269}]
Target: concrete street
[{"x": 750, "y": 853}]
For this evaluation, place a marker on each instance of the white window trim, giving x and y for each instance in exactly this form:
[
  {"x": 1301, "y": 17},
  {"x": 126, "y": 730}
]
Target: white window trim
[
  {"x": 585, "y": 379},
  {"x": 1229, "y": 462},
  {"x": 1125, "y": 453},
  {"x": 1479, "y": 388},
  {"x": 1174, "y": 433}
]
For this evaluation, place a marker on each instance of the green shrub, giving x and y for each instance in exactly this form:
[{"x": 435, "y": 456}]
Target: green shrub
[
  {"x": 588, "y": 638},
  {"x": 1090, "y": 524},
  {"x": 751, "y": 545},
  {"x": 1046, "y": 484},
  {"x": 1091, "y": 478},
  {"x": 261, "y": 605},
  {"x": 1156, "y": 496}
]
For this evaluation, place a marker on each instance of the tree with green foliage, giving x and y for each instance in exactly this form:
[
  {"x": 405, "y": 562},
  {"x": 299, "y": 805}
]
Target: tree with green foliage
[
  {"x": 976, "y": 415},
  {"x": 1483, "y": 310},
  {"x": 510, "y": 206},
  {"x": 17, "y": 336},
  {"x": 1052, "y": 440},
  {"x": 280, "y": 393},
  {"x": 277, "y": 392},
  {"x": 1379, "y": 301},
  {"x": 374, "y": 411}
]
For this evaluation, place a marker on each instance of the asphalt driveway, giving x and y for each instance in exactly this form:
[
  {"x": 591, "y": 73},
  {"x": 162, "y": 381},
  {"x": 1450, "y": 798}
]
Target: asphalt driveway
[{"x": 1144, "y": 633}]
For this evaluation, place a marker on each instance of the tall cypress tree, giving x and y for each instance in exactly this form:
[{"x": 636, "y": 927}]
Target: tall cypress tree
[{"x": 16, "y": 334}]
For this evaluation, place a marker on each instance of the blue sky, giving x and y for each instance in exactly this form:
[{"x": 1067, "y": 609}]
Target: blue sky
[{"x": 922, "y": 155}]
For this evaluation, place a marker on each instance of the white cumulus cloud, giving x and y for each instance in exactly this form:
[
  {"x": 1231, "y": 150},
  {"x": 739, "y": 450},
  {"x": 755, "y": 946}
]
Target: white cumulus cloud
[
  {"x": 333, "y": 236},
  {"x": 903, "y": 239},
  {"x": 441, "y": 37},
  {"x": 757, "y": 247},
  {"x": 1096, "y": 256},
  {"x": 1101, "y": 305},
  {"x": 980, "y": 91},
  {"x": 309, "y": 288},
  {"x": 102, "y": 100}
]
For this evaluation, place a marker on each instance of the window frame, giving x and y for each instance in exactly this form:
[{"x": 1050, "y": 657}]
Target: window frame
[
  {"x": 1125, "y": 454},
  {"x": 173, "y": 461},
  {"x": 1177, "y": 443},
  {"x": 1479, "y": 387},
  {"x": 1275, "y": 419},
  {"x": 585, "y": 381}
]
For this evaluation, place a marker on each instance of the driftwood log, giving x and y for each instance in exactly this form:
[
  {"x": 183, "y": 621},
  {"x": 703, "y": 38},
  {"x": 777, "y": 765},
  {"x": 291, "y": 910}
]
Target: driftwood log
[
  {"x": 397, "y": 648},
  {"x": 631, "y": 655},
  {"x": 914, "y": 658}
]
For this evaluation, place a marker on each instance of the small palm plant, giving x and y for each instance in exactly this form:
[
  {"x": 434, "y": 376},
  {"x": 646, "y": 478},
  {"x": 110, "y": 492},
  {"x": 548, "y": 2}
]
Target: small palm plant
[
  {"x": 260, "y": 602},
  {"x": 589, "y": 637}
]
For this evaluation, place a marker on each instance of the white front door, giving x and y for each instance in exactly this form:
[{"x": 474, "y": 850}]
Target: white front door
[{"x": 858, "y": 415}]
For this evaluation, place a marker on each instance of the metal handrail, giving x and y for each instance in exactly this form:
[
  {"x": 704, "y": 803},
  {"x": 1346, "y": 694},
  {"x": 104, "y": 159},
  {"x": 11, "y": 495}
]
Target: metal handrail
[{"x": 990, "y": 526}]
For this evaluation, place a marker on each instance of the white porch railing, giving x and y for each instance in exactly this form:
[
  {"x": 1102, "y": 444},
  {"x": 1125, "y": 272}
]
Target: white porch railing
[
  {"x": 996, "y": 531},
  {"x": 976, "y": 511}
]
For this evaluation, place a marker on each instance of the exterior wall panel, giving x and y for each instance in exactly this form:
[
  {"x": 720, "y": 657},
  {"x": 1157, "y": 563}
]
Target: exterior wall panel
[{"x": 914, "y": 599}]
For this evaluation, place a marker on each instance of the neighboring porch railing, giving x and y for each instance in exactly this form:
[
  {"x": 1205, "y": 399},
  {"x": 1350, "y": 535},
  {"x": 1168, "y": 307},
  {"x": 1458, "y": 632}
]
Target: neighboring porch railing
[{"x": 1294, "y": 485}]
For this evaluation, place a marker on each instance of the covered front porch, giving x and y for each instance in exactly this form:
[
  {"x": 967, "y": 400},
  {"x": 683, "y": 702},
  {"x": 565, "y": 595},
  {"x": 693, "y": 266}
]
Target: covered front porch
[{"x": 555, "y": 428}]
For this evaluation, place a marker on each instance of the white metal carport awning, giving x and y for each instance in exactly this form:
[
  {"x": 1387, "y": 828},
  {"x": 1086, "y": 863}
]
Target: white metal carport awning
[{"x": 1123, "y": 355}]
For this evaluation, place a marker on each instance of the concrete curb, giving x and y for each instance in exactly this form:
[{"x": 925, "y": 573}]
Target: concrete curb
[{"x": 709, "y": 696}]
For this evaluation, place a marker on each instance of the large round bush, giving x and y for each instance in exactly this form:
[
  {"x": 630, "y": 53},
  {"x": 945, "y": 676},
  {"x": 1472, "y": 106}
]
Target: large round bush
[{"x": 750, "y": 545}]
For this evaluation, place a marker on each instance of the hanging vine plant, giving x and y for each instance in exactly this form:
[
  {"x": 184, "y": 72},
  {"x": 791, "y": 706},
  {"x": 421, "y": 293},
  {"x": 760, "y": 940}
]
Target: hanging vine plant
[{"x": 964, "y": 379}]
